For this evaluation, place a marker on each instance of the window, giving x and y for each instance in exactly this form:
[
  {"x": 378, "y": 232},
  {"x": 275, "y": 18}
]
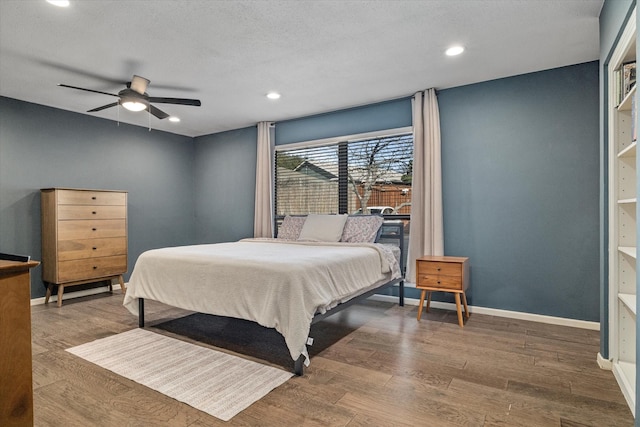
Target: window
[{"x": 371, "y": 175}]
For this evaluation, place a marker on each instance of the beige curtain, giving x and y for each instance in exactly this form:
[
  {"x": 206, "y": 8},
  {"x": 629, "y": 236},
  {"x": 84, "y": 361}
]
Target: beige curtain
[
  {"x": 426, "y": 234},
  {"x": 263, "y": 218}
]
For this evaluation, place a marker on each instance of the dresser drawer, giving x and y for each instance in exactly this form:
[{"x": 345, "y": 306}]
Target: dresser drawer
[
  {"x": 435, "y": 281},
  {"x": 440, "y": 268},
  {"x": 90, "y": 268},
  {"x": 91, "y": 229},
  {"x": 91, "y": 212},
  {"x": 91, "y": 248},
  {"x": 88, "y": 197}
]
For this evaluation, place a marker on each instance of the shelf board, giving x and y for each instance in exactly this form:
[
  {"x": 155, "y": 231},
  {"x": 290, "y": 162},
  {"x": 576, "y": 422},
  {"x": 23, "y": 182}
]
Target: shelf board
[
  {"x": 629, "y": 300},
  {"x": 625, "y": 105},
  {"x": 629, "y": 151},
  {"x": 627, "y": 201},
  {"x": 629, "y": 250}
]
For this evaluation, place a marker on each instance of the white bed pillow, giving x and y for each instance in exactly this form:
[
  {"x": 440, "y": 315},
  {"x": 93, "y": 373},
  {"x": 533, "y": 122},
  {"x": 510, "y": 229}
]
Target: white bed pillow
[{"x": 323, "y": 228}]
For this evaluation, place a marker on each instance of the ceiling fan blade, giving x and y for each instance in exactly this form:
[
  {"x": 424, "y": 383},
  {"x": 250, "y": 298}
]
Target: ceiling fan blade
[
  {"x": 102, "y": 108},
  {"x": 179, "y": 101},
  {"x": 139, "y": 84},
  {"x": 157, "y": 112},
  {"x": 87, "y": 90}
]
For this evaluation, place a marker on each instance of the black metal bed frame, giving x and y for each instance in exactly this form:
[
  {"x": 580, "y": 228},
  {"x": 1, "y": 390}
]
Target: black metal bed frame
[{"x": 396, "y": 234}]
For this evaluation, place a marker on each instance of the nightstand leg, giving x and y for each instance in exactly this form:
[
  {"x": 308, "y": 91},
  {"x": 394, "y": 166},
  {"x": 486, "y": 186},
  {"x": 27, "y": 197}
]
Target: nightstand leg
[
  {"x": 124, "y": 287},
  {"x": 428, "y": 301},
  {"x": 460, "y": 321},
  {"x": 421, "y": 303},
  {"x": 466, "y": 309}
]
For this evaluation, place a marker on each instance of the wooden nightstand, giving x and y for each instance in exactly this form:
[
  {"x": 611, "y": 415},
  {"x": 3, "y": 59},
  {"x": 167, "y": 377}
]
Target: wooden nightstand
[{"x": 443, "y": 274}]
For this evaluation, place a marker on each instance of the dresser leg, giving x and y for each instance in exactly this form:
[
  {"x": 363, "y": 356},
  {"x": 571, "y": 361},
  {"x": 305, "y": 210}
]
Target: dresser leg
[
  {"x": 60, "y": 292},
  {"x": 48, "y": 294},
  {"x": 460, "y": 321},
  {"x": 421, "y": 303}
]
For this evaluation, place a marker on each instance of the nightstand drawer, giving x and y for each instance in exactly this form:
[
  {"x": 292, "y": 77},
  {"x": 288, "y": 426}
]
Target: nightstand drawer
[
  {"x": 440, "y": 268},
  {"x": 435, "y": 281}
]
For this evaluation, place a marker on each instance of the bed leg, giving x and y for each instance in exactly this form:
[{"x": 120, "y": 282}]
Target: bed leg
[
  {"x": 298, "y": 367},
  {"x": 141, "y": 313},
  {"x": 401, "y": 294}
]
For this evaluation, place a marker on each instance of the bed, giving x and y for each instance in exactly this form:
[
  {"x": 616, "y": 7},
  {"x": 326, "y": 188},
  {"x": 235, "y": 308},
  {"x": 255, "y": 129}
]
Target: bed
[{"x": 287, "y": 283}]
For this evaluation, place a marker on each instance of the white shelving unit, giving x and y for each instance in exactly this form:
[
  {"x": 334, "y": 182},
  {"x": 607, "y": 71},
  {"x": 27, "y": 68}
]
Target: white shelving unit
[{"x": 622, "y": 223}]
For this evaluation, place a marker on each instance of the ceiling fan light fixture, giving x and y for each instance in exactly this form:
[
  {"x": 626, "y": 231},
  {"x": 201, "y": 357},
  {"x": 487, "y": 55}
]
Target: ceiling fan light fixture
[
  {"x": 134, "y": 105},
  {"x": 174, "y": 119},
  {"x": 273, "y": 95}
]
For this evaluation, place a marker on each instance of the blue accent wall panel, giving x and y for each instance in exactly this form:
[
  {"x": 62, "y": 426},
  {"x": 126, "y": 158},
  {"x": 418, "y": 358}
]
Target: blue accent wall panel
[
  {"x": 381, "y": 116},
  {"x": 225, "y": 176},
  {"x": 44, "y": 147},
  {"x": 520, "y": 190}
]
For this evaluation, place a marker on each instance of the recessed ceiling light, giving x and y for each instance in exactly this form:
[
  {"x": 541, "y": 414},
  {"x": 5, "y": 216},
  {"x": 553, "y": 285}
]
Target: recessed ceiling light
[
  {"x": 59, "y": 3},
  {"x": 273, "y": 95},
  {"x": 454, "y": 50},
  {"x": 174, "y": 119}
]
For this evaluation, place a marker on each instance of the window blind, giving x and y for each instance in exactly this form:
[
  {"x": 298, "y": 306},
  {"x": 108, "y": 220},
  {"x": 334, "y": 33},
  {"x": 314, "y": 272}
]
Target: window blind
[{"x": 360, "y": 176}]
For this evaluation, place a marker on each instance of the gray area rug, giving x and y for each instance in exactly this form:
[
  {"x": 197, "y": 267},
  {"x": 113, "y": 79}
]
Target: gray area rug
[{"x": 217, "y": 383}]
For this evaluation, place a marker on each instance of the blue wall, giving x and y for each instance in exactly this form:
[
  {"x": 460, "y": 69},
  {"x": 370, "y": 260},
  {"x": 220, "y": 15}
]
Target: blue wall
[
  {"x": 45, "y": 147},
  {"x": 225, "y": 185},
  {"x": 375, "y": 117},
  {"x": 520, "y": 189}
]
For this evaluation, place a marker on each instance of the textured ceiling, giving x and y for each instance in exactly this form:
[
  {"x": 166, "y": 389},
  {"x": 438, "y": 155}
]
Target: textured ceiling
[{"x": 320, "y": 55}]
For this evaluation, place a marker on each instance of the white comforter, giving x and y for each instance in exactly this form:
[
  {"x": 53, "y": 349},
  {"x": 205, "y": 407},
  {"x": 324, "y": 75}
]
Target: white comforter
[{"x": 277, "y": 284}]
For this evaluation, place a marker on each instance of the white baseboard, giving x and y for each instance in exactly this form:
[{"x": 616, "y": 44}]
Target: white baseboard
[
  {"x": 604, "y": 363},
  {"x": 75, "y": 294},
  {"x": 583, "y": 324}
]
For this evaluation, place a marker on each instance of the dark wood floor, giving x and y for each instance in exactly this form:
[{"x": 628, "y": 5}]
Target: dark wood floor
[{"x": 374, "y": 365}]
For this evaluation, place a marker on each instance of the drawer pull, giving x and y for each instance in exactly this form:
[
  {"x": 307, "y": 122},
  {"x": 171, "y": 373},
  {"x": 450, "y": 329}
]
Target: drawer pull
[
  {"x": 95, "y": 267},
  {"x": 94, "y": 248},
  {"x": 438, "y": 268},
  {"x": 94, "y": 212},
  {"x": 439, "y": 282},
  {"x": 94, "y": 229},
  {"x": 94, "y": 198}
]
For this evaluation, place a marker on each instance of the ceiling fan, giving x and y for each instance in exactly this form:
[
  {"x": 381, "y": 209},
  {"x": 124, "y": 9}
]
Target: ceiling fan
[{"x": 135, "y": 98}]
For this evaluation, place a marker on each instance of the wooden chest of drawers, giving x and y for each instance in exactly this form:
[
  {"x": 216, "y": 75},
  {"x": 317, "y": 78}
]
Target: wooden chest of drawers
[
  {"x": 84, "y": 237},
  {"x": 444, "y": 274}
]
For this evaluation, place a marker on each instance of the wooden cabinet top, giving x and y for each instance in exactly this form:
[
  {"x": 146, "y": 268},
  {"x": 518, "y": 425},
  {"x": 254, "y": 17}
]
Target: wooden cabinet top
[
  {"x": 443, "y": 258},
  {"x": 8, "y": 267},
  {"x": 80, "y": 189}
]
